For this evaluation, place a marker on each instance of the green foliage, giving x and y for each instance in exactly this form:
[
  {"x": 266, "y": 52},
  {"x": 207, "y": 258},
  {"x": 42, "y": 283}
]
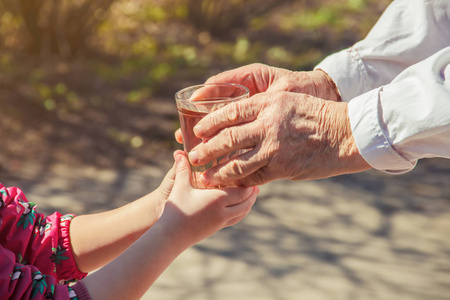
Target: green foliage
[
  {"x": 155, "y": 42},
  {"x": 356, "y": 5},
  {"x": 10, "y": 25},
  {"x": 162, "y": 71},
  {"x": 337, "y": 15},
  {"x": 99, "y": 69},
  {"x": 152, "y": 13},
  {"x": 147, "y": 46},
  {"x": 6, "y": 63},
  {"x": 57, "y": 97},
  {"x": 241, "y": 49},
  {"x": 53, "y": 27},
  {"x": 219, "y": 17},
  {"x": 319, "y": 18},
  {"x": 138, "y": 95}
]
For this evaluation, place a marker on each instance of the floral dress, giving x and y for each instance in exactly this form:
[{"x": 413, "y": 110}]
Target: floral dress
[{"x": 36, "y": 260}]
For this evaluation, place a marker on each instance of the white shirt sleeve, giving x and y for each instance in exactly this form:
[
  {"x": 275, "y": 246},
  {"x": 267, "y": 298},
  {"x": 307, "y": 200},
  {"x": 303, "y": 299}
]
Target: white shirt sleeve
[
  {"x": 408, "y": 32},
  {"x": 397, "y": 83},
  {"x": 406, "y": 120}
]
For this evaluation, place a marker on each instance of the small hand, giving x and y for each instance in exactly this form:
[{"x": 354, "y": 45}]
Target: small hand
[
  {"x": 167, "y": 183},
  {"x": 200, "y": 213}
]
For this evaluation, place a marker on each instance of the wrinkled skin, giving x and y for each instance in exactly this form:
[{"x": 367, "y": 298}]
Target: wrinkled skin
[
  {"x": 261, "y": 78},
  {"x": 293, "y": 133}
]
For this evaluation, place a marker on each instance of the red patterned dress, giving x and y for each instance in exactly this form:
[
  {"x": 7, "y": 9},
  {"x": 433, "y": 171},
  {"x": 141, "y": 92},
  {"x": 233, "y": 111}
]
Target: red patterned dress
[{"x": 36, "y": 260}]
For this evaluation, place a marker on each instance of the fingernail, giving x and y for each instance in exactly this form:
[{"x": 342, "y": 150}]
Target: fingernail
[
  {"x": 193, "y": 157},
  {"x": 256, "y": 188},
  {"x": 198, "y": 130}
]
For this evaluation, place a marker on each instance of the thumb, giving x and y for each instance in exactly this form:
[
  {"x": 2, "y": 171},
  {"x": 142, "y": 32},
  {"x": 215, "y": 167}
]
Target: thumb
[{"x": 183, "y": 170}]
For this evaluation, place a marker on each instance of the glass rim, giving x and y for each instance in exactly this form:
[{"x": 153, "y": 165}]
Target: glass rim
[{"x": 213, "y": 100}]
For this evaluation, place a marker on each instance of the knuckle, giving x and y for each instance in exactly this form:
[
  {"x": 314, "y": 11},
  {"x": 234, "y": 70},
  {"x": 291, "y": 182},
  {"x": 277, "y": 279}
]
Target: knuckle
[
  {"x": 230, "y": 139},
  {"x": 201, "y": 150},
  {"x": 271, "y": 150},
  {"x": 255, "y": 65},
  {"x": 232, "y": 112},
  {"x": 211, "y": 120},
  {"x": 236, "y": 168},
  {"x": 214, "y": 78},
  {"x": 204, "y": 151}
]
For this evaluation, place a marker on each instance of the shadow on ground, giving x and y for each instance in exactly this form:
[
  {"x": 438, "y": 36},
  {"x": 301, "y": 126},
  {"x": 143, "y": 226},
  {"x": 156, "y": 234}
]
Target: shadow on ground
[{"x": 361, "y": 236}]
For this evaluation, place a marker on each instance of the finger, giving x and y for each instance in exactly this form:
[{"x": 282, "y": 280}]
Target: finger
[
  {"x": 207, "y": 92},
  {"x": 233, "y": 172},
  {"x": 176, "y": 153},
  {"x": 250, "y": 193},
  {"x": 239, "y": 211},
  {"x": 234, "y": 221},
  {"x": 182, "y": 177},
  {"x": 219, "y": 91},
  {"x": 258, "y": 177},
  {"x": 227, "y": 141},
  {"x": 171, "y": 173},
  {"x": 255, "y": 77},
  {"x": 237, "y": 195},
  {"x": 279, "y": 85},
  {"x": 232, "y": 114},
  {"x": 167, "y": 183},
  {"x": 179, "y": 136}
]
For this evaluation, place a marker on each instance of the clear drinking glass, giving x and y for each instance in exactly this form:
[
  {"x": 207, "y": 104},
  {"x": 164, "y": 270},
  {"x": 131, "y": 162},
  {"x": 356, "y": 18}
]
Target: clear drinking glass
[{"x": 195, "y": 102}]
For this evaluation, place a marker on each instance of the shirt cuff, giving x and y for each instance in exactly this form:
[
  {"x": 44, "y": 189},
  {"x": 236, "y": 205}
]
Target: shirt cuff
[
  {"x": 66, "y": 266},
  {"x": 81, "y": 291},
  {"x": 348, "y": 73},
  {"x": 368, "y": 130}
]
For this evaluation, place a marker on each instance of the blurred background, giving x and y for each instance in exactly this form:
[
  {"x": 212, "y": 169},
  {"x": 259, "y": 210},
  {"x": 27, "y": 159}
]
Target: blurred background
[{"x": 87, "y": 122}]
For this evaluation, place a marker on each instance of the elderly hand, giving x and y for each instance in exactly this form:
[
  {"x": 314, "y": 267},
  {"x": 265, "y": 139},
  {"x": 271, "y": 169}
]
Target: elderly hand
[
  {"x": 261, "y": 78},
  {"x": 290, "y": 135}
]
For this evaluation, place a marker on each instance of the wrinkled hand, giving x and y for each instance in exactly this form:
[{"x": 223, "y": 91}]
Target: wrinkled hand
[
  {"x": 195, "y": 214},
  {"x": 259, "y": 78},
  {"x": 292, "y": 136}
]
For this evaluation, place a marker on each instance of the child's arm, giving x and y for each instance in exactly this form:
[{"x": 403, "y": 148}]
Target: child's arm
[
  {"x": 97, "y": 239},
  {"x": 67, "y": 247},
  {"x": 190, "y": 215}
]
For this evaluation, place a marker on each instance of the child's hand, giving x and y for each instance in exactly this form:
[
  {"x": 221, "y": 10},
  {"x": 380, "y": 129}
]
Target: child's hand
[
  {"x": 194, "y": 214},
  {"x": 167, "y": 183},
  {"x": 189, "y": 216}
]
